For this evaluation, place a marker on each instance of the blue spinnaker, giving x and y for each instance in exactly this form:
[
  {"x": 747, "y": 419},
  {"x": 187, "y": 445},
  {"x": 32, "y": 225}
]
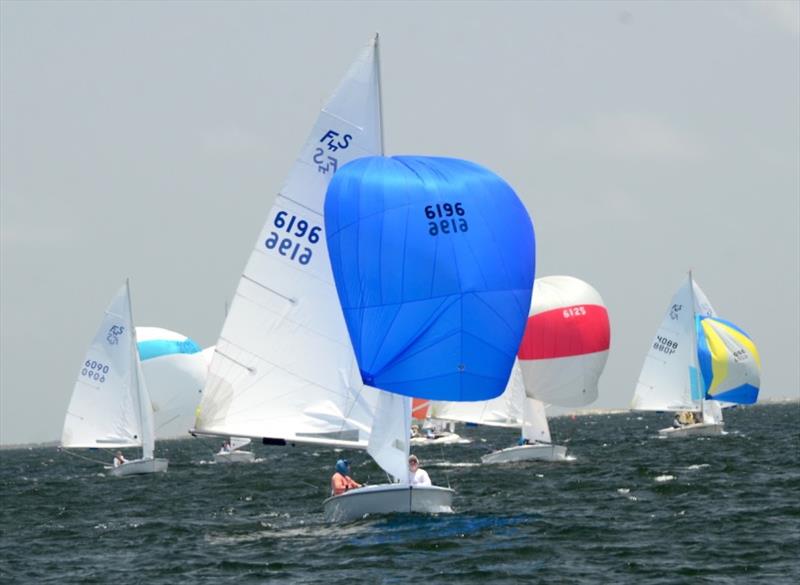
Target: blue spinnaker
[{"x": 433, "y": 260}]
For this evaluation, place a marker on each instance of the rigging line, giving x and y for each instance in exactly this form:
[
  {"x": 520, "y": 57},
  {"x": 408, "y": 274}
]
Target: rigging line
[{"x": 83, "y": 457}]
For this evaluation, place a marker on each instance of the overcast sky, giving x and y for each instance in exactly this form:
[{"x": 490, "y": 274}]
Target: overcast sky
[{"x": 147, "y": 140}]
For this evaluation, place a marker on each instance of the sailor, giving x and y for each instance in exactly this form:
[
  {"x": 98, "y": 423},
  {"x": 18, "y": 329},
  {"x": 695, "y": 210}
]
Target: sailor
[
  {"x": 417, "y": 475},
  {"x": 119, "y": 459},
  {"x": 226, "y": 447},
  {"x": 341, "y": 480}
]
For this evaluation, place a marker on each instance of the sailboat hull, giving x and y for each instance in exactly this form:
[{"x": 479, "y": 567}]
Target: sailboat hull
[
  {"x": 235, "y": 457},
  {"x": 535, "y": 452},
  {"x": 695, "y": 430},
  {"x": 388, "y": 499},
  {"x": 140, "y": 466}
]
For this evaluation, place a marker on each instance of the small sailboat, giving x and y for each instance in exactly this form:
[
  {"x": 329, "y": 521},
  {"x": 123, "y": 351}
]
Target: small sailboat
[
  {"x": 232, "y": 452},
  {"x": 562, "y": 354},
  {"x": 428, "y": 316},
  {"x": 110, "y": 405},
  {"x": 696, "y": 365},
  {"x": 283, "y": 369},
  {"x": 426, "y": 430}
]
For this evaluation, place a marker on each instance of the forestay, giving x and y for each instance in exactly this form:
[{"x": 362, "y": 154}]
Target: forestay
[
  {"x": 110, "y": 406},
  {"x": 284, "y": 367}
]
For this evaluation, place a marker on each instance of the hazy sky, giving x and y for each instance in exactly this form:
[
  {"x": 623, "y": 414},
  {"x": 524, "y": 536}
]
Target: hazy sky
[{"x": 148, "y": 140}]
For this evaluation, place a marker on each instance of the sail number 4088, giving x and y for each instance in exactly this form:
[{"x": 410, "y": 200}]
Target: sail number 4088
[{"x": 295, "y": 228}]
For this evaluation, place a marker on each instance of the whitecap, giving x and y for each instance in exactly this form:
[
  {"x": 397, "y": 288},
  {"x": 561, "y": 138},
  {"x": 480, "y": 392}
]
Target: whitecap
[
  {"x": 663, "y": 478},
  {"x": 699, "y": 466}
]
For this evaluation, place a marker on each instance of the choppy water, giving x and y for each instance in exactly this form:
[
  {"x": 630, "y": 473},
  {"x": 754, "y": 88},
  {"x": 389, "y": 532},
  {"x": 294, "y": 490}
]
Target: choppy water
[{"x": 630, "y": 508}]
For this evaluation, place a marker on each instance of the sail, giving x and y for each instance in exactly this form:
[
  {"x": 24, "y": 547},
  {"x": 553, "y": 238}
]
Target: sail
[
  {"x": 669, "y": 377},
  {"x": 433, "y": 260},
  {"x": 534, "y": 426},
  {"x": 104, "y": 410},
  {"x": 729, "y": 361},
  {"x": 420, "y": 408},
  {"x": 390, "y": 439},
  {"x": 283, "y": 367},
  {"x": 565, "y": 346},
  {"x": 503, "y": 411},
  {"x": 175, "y": 372},
  {"x": 238, "y": 443}
]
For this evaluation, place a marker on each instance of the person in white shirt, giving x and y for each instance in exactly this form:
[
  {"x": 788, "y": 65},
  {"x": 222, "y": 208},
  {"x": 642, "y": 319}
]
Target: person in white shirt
[
  {"x": 417, "y": 475},
  {"x": 119, "y": 459}
]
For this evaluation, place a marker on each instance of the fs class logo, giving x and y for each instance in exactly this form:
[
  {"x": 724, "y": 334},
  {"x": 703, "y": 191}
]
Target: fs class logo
[
  {"x": 113, "y": 334},
  {"x": 333, "y": 141},
  {"x": 674, "y": 310}
]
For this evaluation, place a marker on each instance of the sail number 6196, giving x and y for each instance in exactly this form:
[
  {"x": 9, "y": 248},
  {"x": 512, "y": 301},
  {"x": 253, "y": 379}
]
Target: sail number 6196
[{"x": 295, "y": 227}]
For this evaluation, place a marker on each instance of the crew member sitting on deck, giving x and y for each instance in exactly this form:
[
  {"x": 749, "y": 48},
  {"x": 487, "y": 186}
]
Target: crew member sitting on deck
[
  {"x": 119, "y": 459},
  {"x": 341, "y": 480},
  {"x": 417, "y": 475}
]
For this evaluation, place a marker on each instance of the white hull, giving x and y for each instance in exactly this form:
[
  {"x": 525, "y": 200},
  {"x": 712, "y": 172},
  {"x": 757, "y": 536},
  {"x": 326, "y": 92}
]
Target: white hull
[
  {"x": 140, "y": 466},
  {"x": 235, "y": 457},
  {"x": 388, "y": 499},
  {"x": 445, "y": 439},
  {"x": 540, "y": 452},
  {"x": 695, "y": 430}
]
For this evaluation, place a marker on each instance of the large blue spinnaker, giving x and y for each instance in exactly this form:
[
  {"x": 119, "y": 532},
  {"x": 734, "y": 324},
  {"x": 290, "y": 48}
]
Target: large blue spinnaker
[{"x": 434, "y": 264}]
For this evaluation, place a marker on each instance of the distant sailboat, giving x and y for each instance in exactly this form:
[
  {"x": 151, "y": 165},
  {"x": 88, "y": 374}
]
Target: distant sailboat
[
  {"x": 110, "y": 406},
  {"x": 696, "y": 364},
  {"x": 232, "y": 452},
  {"x": 562, "y": 354}
]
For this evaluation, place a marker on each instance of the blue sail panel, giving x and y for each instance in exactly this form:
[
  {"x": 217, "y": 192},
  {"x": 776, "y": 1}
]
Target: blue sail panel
[
  {"x": 433, "y": 260},
  {"x": 729, "y": 361},
  {"x": 154, "y": 348}
]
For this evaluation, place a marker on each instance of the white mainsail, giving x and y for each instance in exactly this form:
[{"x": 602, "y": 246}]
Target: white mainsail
[
  {"x": 669, "y": 379},
  {"x": 110, "y": 406},
  {"x": 534, "y": 422},
  {"x": 284, "y": 368}
]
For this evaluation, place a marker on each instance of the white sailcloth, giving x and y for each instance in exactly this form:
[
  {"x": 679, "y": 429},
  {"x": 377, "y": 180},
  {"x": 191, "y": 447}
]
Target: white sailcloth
[
  {"x": 669, "y": 379},
  {"x": 534, "y": 426},
  {"x": 389, "y": 441},
  {"x": 284, "y": 367},
  {"x": 503, "y": 411},
  {"x": 110, "y": 406}
]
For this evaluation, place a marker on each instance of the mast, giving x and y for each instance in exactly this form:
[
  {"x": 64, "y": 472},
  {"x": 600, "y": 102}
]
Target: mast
[
  {"x": 694, "y": 381},
  {"x": 380, "y": 88},
  {"x": 135, "y": 378}
]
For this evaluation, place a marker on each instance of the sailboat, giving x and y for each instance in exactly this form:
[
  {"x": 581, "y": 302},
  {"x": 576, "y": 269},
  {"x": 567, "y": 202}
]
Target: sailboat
[
  {"x": 562, "y": 354},
  {"x": 110, "y": 406},
  {"x": 284, "y": 370},
  {"x": 433, "y": 264},
  {"x": 233, "y": 452},
  {"x": 427, "y": 430},
  {"x": 697, "y": 363}
]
